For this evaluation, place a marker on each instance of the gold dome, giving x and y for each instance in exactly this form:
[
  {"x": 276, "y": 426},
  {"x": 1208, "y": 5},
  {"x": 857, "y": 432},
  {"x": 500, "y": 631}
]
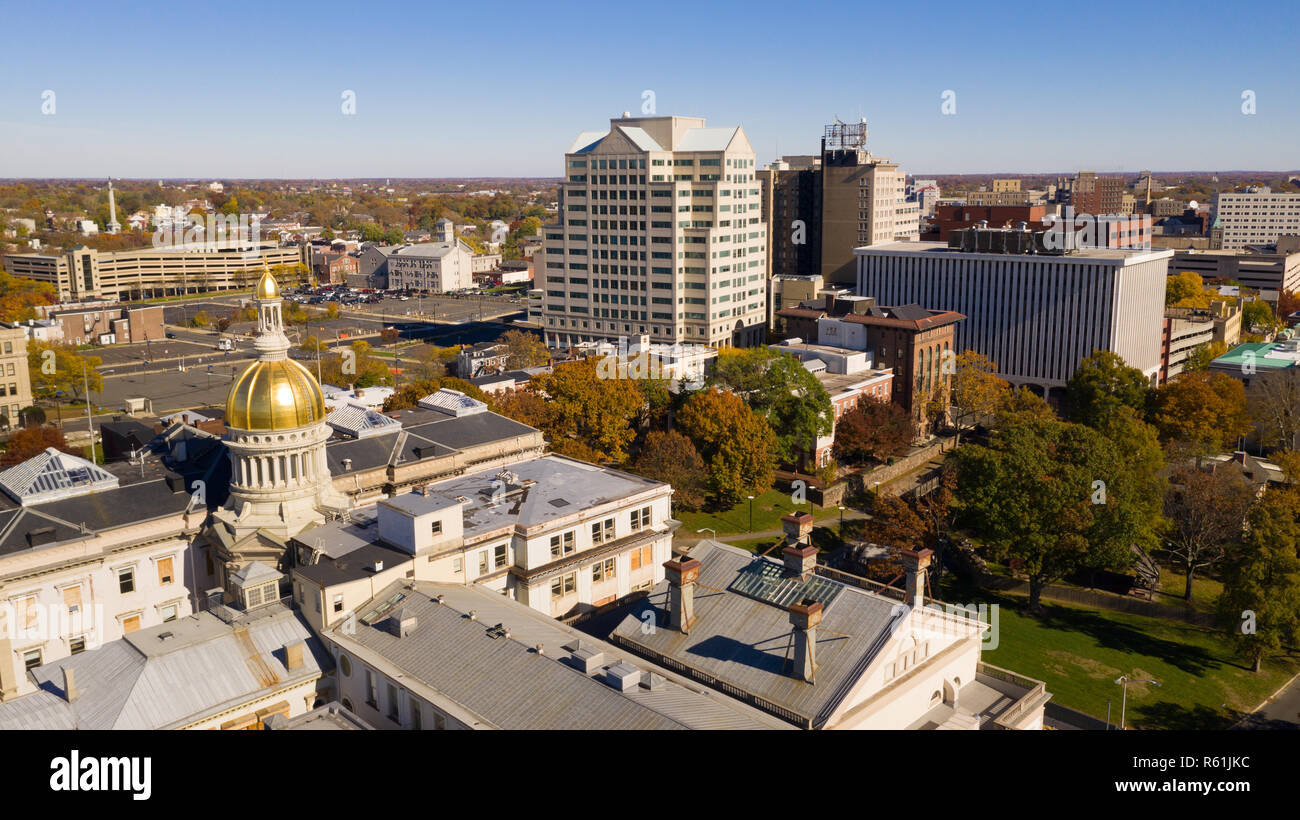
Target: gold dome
[
  {"x": 267, "y": 287},
  {"x": 274, "y": 395}
]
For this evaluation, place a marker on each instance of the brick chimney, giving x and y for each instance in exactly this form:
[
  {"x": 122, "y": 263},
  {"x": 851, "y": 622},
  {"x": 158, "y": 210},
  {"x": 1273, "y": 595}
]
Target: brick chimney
[
  {"x": 804, "y": 617},
  {"x": 798, "y": 528},
  {"x": 800, "y": 562},
  {"x": 682, "y": 574},
  {"x": 916, "y": 562}
]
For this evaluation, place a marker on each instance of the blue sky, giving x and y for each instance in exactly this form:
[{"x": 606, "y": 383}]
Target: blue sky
[{"x": 501, "y": 88}]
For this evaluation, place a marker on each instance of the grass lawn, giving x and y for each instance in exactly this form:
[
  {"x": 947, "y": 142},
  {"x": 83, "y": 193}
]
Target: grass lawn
[
  {"x": 1080, "y": 652},
  {"x": 768, "y": 509},
  {"x": 1205, "y": 591}
]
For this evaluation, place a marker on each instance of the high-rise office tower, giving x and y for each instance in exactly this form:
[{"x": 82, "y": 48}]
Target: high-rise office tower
[
  {"x": 659, "y": 234},
  {"x": 863, "y": 201}
]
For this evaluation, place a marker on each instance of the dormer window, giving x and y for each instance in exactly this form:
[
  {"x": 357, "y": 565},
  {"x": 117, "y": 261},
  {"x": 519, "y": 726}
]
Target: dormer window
[{"x": 261, "y": 594}]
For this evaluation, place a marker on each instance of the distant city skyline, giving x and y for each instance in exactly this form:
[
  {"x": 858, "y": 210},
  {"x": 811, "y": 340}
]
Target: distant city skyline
[{"x": 165, "y": 93}]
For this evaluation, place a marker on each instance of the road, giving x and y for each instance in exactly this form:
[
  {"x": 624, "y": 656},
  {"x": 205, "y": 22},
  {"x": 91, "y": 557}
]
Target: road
[{"x": 1282, "y": 711}]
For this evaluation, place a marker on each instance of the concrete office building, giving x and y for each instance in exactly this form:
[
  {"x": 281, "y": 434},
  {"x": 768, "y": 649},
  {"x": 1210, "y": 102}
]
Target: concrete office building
[
  {"x": 142, "y": 273},
  {"x": 1255, "y": 217},
  {"x": 791, "y": 208},
  {"x": 437, "y": 267},
  {"x": 1266, "y": 268},
  {"x": 1036, "y": 315},
  {"x": 660, "y": 232}
]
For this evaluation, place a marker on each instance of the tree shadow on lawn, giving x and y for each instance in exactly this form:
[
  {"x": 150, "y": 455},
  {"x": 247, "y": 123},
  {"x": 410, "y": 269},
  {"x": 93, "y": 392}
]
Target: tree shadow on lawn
[
  {"x": 1167, "y": 715},
  {"x": 1110, "y": 634}
]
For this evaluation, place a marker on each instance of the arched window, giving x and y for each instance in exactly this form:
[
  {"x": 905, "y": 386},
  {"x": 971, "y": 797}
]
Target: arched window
[{"x": 936, "y": 698}]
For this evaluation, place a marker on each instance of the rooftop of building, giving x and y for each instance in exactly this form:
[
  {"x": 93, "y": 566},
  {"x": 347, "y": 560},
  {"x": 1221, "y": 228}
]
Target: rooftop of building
[
  {"x": 476, "y": 653},
  {"x": 742, "y": 634},
  {"x": 1122, "y": 256},
  {"x": 1257, "y": 355},
  {"x": 172, "y": 674}
]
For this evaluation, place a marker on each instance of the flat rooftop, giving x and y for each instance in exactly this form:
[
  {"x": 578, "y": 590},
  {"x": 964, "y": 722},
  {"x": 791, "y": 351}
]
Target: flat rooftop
[{"x": 1121, "y": 255}]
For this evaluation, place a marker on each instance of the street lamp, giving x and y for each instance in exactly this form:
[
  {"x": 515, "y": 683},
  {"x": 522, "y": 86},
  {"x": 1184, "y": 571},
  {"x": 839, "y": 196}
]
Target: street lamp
[
  {"x": 209, "y": 377},
  {"x": 1123, "y": 681},
  {"x": 751, "y": 512},
  {"x": 841, "y": 522},
  {"x": 708, "y": 529}
]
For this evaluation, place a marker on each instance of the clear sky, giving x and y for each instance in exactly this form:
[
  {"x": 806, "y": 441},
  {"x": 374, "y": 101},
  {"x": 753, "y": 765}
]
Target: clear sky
[{"x": 198, "y": 89}]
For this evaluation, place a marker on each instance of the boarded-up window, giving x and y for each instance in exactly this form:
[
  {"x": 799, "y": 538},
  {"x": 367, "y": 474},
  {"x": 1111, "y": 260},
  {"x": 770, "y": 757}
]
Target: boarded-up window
[
  {"x": 165, "y": 570},
  {"x": 72, "y": 599},
  {"x": 27, "y": 611},
  {"x": 130, "y": 624},
  {"x": 642, "y": 557}
]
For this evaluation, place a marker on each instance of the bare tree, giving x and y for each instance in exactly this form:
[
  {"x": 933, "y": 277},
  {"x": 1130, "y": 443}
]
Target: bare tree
[
  {"x": 1274, "y": 402},
  {"x": 1207, "y": 513}
]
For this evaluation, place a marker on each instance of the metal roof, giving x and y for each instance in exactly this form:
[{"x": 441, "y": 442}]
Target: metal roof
[
  {"x": 743, "y": 637},
  {"x": 707, "y": 139},
  {"x": 360, "y": 422},
  {"x": 170, "y": 675},
  {"x": 453, "y": 403},
  {"x": 508, "y": 684},
  {"x": 640, "y": 138}
]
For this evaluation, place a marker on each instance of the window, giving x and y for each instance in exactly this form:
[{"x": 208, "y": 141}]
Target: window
[
  {"x": 130, "y": 624},
  {"x": 165, "y": 570},
  {"x": 31, "y": 658},
  {"x": 168, "y": 612},
  {"x": 392, "y": 703},
  {"x": 482, "y": 562},
  {"x": 640, "y": 519},
  {"x": 417, "y": 719},
  {"x": 562, "y": 544},
  {"x": 77, "y": 645},
  {"x": 602, "y": 531},
  {"x": 372, "y": 691},
  {"x": 643, "y": 557},
  {"x": 437, "y": 527},
  {"x": 458, "y": 565},
  {"x": 603, "y": 570},
  {"x": 126, "y": 580},
  {"x": 564, "y": 585},
  {"x": 499, "y": 556},
  {"x": 338, "y": 603}
]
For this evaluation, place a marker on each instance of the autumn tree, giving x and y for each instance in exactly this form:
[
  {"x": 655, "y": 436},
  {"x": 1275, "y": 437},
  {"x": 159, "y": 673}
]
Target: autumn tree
[
  {"x": 19, "y": 297},
  {"x": 525, "y": 407},
  {"x": 32, "y": 441},
  {"x": 874, "y": 430},
  {"x": 1204, "y": 410},
  {"x": 1019, "y": 402},
  {"x": 1186, "y": 289},
  {"x": 523, "y": 350},
  {"x": 779, "y": 388},
  {"x": 976, "y": 388},
  {"x": 672, "y": 458},
  {"x": 736, "y": 443},
  {"x": 1207, "y": 514},
  {"x": 1260, "y": 603},
  {"x": 1102, "y": 384},
  {"x": 589, "y": 411},
  {"x": 63, "y": 369}
]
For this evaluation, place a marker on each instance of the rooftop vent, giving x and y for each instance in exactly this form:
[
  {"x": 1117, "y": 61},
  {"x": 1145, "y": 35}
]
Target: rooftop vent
[
  {"x": 655, "y": 682},
  {"x": 402, "y": 622},
  {"x": 623, "y": 676},
  {"x": 588, "y": 660}
]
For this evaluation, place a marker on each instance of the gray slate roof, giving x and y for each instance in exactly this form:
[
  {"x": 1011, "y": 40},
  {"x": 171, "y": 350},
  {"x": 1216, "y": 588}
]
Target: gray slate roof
[{"x": 748, "y": 643}]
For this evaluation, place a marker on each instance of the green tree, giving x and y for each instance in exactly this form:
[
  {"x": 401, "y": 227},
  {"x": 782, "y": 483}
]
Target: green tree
[
  {"x": 1207, "y": 514},
  {"x": 1258, "y": 313},
  {"x": 1054, "y": 498},
  {"x": 1200, "y": 357},
  {"x": 780, "y": 389},
  {"x": 1260, "y": 604},
  {"x": 1103, "y": 384}
]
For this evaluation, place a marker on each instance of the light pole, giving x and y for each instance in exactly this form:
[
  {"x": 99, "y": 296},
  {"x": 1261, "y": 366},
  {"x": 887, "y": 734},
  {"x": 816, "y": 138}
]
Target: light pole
[
  {"x": 1123, "y": 681},
  {"x": 751, "y": 512},
  {"x": 841, "y": 522},
  {"x": 708, "y": 529}
]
